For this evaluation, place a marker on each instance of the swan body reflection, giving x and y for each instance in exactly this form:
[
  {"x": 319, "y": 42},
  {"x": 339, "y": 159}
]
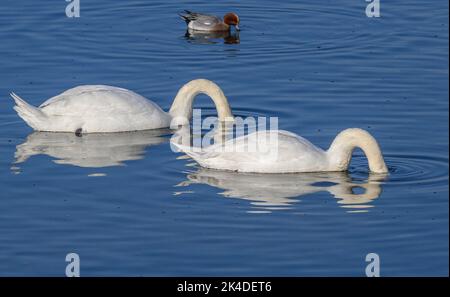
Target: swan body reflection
[
  {"x": 281, "y": 190},
  {"x": 90, "y": 150}
]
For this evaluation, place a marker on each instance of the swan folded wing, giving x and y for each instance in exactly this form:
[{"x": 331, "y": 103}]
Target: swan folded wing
[
  {"x": 99, "y": 102},
  {"x": 93, "y": 96},
  {"x": 279, "y": 151},
  {"x": 196, "y": 153},
  {"x": 298, "y": 154},
  {"x": 239, "y": 154},
  {"x": 103, "y": 109},
  {"x": 79, "y": 90},
  {"x": 264, "y": 151}
]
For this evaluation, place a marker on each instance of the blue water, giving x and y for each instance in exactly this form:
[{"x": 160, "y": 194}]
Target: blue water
[{"x": 130, "y": 206}]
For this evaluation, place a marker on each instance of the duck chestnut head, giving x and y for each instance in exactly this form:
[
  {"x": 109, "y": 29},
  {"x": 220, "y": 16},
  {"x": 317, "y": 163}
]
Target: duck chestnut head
[{"x": 232, "y": 19}]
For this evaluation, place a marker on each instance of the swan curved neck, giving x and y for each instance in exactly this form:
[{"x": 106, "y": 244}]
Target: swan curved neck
[
  {"x": 183, "y": 102},
  {"x": 340, "y": 151}
]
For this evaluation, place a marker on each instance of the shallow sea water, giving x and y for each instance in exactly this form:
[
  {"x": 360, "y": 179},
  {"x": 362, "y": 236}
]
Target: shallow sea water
[{"x": 130, "y": 206}]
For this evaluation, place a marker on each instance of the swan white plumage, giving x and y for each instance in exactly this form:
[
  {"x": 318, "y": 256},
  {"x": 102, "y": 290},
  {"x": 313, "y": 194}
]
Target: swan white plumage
[
  {"x": 102, "y": 109},
  {"x": 277, "y": 151}
]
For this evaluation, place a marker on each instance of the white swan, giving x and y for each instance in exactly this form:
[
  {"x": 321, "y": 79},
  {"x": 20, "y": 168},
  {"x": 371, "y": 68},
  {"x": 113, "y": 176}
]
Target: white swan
[
  {"x": 275, "y": 151},
  {"x": 98, "y": 108}
]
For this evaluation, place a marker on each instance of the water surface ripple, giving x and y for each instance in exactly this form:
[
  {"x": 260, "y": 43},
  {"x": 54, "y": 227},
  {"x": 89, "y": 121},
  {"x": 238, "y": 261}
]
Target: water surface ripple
[{"x": 129, "y": 206}]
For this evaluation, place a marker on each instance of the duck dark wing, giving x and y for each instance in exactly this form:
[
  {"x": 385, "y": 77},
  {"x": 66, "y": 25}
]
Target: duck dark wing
[{"x": 189, "y": 16}]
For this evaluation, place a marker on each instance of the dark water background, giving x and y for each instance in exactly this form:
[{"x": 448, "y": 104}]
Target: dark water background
[{"x": 129, "y": 206}]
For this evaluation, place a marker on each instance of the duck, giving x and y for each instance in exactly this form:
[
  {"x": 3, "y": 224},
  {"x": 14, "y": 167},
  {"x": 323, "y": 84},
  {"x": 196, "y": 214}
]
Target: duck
[
  {"x": 279, "y": 151},
  {"x": 204, "y": 22},
  {"x": 107, "y": 109}
]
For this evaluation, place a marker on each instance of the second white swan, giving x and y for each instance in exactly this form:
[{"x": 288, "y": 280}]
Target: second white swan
[
  {"x": 275, "y": 151},
  {"x": 102, "y": 109}
]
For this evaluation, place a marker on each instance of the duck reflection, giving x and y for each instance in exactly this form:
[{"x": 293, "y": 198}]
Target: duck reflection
[
  {"x": 279, "y": 191},
  {"x": 90, "y": 150},
  {"x": 200, "y": 37}
]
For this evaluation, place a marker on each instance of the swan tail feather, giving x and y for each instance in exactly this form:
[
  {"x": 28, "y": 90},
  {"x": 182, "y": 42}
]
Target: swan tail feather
[
  {"x": 33, "y": 116},
  {"x": 22, "y": 154},
  {"x": 195, "y": 153}
]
